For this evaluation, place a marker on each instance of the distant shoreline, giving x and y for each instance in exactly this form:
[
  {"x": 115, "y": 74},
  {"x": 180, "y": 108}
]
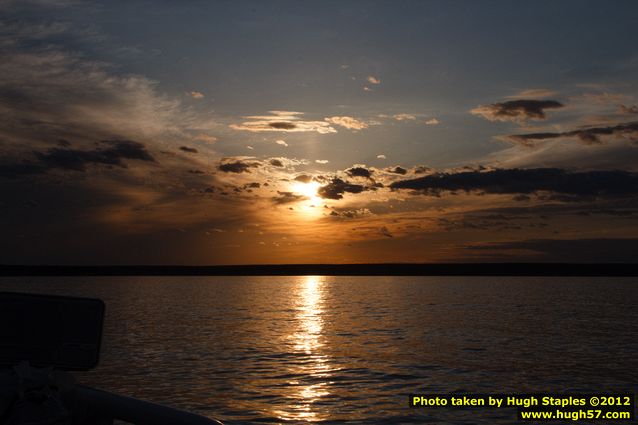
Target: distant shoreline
[{"x": 428, "y": 269}]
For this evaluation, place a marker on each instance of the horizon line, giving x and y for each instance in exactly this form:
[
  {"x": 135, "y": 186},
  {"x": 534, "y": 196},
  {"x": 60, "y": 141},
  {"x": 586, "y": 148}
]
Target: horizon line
[{"x": 327, "y": 269}]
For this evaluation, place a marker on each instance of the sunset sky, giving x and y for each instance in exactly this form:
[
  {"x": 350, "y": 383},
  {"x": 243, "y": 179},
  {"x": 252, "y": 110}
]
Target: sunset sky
[{"x": 243, "y": 132}]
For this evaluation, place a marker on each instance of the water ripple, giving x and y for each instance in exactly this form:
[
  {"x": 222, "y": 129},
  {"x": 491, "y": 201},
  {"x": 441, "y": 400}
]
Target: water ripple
[{"x": 335, "y": 350}]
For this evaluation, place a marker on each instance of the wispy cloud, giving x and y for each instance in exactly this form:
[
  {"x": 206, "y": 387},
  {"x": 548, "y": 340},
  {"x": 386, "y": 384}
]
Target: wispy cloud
[
  {"x": 89, "y": 101},
  {"x": 283, "y": 121},
  {"x": 288, "y": 198},
  {"x": 206, "y": 138},
  {"x": 533, "y": 94},
  {"x": 592, "y": 135},
  {"x": 565, "y": 250},
  {"x": 411, "y": 118},
  {"x": 348, "y": 122},
  {"x": 196, "y": 94},
  {"x": 628, "y": 110},
  {"x": 601, "y": 98},
  {"x": 405, "y": 117}
]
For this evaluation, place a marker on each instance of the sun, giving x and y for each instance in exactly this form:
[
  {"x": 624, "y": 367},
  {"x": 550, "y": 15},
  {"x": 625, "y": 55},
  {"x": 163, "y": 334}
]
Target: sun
[{"x": 309, "y": 190}]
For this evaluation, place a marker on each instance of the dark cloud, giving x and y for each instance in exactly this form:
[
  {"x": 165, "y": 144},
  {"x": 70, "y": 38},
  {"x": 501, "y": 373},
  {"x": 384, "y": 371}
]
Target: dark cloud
[
  {"x": 373, "y": 231},
  {"x": 248, "y": 187},
  {"x": 588, "y": 135},
  {"x": 303, "y": 178},
  {"x": 282, "y": 125},
  {"x": 421, "y": 169},
  {"x": 526, "y": 181},
  {"x": 276, "y": 162},
  {"x": 359, "y": 172},
  {"x": 350, "y": 213},
  {"x": 397, "y": 170},
  {"x": 237, "y": 167},
  {"x": 516, "y": 110},
  {"x": 288, "y": 197},
  {"x": 491, "y": 222},
  {"x": 337, "y": 187},
  {"x": 563, "y": 250},
  {"x": 188, "y": 149},
  {"x": 110, "y": 152}
]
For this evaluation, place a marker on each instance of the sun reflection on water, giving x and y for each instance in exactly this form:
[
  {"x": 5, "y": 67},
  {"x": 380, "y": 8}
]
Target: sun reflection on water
[
  {"x": 309, "y": 316},
  {"x": 307, "y": 340}
]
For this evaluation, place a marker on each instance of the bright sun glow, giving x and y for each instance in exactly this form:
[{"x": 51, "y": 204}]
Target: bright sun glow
[{"x": 309, "y": 190}]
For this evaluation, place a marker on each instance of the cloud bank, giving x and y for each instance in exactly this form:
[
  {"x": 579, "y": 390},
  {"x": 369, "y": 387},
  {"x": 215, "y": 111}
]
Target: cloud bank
[
  {"x": 527, "y": 181},
  {"x": 516, "y": 110}
]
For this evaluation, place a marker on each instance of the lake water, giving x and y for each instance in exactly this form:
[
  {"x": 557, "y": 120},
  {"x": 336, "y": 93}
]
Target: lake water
[{"x": 350, "y": 349}]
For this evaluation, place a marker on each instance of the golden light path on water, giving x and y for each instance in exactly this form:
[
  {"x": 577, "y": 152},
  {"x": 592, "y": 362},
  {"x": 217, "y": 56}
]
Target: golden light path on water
[{"x": 307, "y": 340}]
